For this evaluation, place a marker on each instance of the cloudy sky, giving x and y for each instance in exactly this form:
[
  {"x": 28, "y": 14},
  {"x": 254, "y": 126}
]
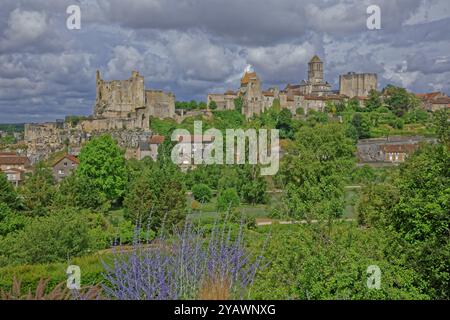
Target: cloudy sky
[{"x": 192, "y": 47}]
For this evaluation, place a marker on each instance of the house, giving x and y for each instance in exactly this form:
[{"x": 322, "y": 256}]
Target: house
[
  {"x": 64, "y": 166},
  {"x": 10, "y": 160},
  {"x": 15, "y": 176},
  {"x": 397, "y": 152},
  {"x": 149, "y": 148},
  {"x": 204, "y": 142},
  {"x": 388, "y": 151},
  {"x": 434, "y": 101}
]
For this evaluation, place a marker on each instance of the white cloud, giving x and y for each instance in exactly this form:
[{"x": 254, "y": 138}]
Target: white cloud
[{"x": 24, "y": 28}]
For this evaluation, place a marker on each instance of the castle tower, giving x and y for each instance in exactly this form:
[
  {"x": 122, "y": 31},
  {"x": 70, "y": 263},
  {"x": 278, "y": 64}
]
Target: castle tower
[{"x": 315, "y": 70}]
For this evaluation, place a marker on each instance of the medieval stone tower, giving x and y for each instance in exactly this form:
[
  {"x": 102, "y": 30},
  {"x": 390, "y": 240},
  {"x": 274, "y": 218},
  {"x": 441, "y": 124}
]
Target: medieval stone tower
[
  {"x": 357, "y": 84},
  {"x": 251, "y": 92},
  {"x": 315, "y": 70}
]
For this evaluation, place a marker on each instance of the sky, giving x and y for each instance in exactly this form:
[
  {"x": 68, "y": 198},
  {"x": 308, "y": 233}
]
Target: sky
[{"x": 195, "y": 47}]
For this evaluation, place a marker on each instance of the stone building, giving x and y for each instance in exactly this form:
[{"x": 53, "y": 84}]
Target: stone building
[
  {"x": 311, "y": 94},
  {"x": 434, "y": 101},
  {"x": 64, "y": 166},
  {"x": 357, "y": 84},
  {"x": 388, "y": 151},
  {"x": 129, "y": 100},
  {"x": 315, "y": 85}
]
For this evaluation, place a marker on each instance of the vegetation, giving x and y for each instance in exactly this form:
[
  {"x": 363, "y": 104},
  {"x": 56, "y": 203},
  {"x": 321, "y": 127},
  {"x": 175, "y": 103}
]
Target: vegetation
[{"x": 398, "y": 218}]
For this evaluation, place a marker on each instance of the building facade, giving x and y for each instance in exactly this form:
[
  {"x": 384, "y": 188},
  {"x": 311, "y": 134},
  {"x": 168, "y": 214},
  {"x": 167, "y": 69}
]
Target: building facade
[{"x": 357, "y": 84}]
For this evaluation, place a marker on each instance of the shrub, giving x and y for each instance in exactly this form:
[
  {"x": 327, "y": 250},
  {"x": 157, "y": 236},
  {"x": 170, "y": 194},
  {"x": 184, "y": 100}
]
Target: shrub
[
  {"x": 202, "y": 193},
  {"x": 56, "y": 237},
  {"x": 228, "y": 199}
]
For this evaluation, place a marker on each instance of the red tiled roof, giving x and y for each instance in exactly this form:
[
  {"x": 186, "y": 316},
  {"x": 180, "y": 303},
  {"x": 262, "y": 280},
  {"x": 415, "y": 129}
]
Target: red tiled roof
[
  {"x": 268, "y": 93},
  {"x": 444, "y": 100},
  {"x": 428, "y": 96},
  {"x": 230, "y": 92},
  {"x": 157, "y": 139},
  {"x": 8, "y": 154},
  {"x": 247, "y": 77},
  {"x": 400, "y": 148},
  {"x": 196, "y": 138},
  {"x": 13, "y": 160},
  {"x": 67, "y": 156}
]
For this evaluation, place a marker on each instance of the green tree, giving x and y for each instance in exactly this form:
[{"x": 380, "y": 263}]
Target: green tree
[
  {"x": 158, "y": 195},
  {"x": 102, "y": 164},
  {"x": 362, "y": 124},
  {"x": 228, "y": 199},
  {"x": 10, "y": 221},
  {"x": 399, "y": 100},
  {"x": 314, "y": 169},
  {"x": 213, "y": 105},
  {"x": 238, "y": 104},
  {"x": 39, "y": 190},
  {"x": 78, "y": 191},
  {"x": 7, "y": 193},
  {"x": 373, "y": 100},
  {"x": 441, "y": 126},
  {"x": 201, "y": 192},
  {"x": 253, "y": 186},
  {"x": 56, "y": 237},
  {"x": 284, "y": 124}
]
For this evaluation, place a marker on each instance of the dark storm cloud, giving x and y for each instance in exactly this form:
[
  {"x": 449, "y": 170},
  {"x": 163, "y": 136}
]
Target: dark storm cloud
[{"x": 193, "y": 47}]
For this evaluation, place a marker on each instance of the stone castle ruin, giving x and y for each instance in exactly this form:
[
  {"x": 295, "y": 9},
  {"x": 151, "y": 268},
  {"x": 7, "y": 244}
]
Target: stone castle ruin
[
  {"x": 128, "y": 99},
  {"x": 122, "y": 108}
]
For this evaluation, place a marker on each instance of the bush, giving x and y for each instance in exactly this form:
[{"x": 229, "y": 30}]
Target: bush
[
  {"x": 52, "y": 238},
  {"x": 228, "y": 199},
  {"x": 202, "y": 193}
]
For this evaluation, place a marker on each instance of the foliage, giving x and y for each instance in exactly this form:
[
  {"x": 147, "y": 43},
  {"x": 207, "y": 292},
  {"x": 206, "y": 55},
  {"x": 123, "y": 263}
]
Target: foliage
[
  {"x": 313, "y": 172},
  {"x": 252, "y": 186},
  {"x": 373, "y": 101},
  {"x": 228, "y": 199},
  {"x": 102, "y": 164},
  {"x": 441, "y": 126},
  {"x": 77, "y": 191},
  {"x": 157, "y": 196},
  {"x": 399, "y": 100},
  {"x": 202, "y": 192},
  {"x": 60, "y": 292},
  {"x": 362, "y": 124},
  {"x": 318, "y": 262},
  {"x": 190, "y": 105},
  {"x": 51, "y": 238},
  {"x": 212, "y": 105},
  {"x": 38, "y": 190},
  {"x": 8, "y": 195},
  {"x": 238, "y": 104},
  {"x": 416, "y": 207},
  {"x": 11, "y": 221}
]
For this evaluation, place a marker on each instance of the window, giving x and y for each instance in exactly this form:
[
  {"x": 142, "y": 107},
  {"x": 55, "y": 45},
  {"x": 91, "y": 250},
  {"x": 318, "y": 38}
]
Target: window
[
  {"x": 61, "y": 172},
  {"x": 65, "y": 164}
]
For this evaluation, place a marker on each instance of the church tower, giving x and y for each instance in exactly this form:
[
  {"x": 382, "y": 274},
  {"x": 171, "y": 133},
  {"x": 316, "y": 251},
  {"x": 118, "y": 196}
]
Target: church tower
[{"x": 315, "y": 70}]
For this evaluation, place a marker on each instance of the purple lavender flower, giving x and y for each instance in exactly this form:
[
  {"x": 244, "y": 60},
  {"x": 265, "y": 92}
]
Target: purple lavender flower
[{"x": 183, "y": 266}]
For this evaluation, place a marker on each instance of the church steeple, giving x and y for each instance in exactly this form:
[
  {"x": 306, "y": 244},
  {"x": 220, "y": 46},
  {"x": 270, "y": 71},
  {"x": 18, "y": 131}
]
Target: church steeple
[{"x": 315, "y": 70}]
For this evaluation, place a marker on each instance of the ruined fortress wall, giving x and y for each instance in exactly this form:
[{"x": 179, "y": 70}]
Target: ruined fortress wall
[
  {"x": 357, "y": 85},
  {"x": 99, "y": 125},
  {"x": 119, "y": 98},
  {"x": 160, "y": 104}
]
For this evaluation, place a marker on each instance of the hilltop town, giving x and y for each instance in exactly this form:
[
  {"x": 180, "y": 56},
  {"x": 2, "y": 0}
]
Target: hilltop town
[{"x": 124, "y": 109}]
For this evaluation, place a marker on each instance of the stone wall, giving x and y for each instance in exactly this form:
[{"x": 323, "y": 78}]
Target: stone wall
[
  {"x": 119, "y": 98},
  {"x": 357, "y": 84},
  {"x": 159, "y": 104}
]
